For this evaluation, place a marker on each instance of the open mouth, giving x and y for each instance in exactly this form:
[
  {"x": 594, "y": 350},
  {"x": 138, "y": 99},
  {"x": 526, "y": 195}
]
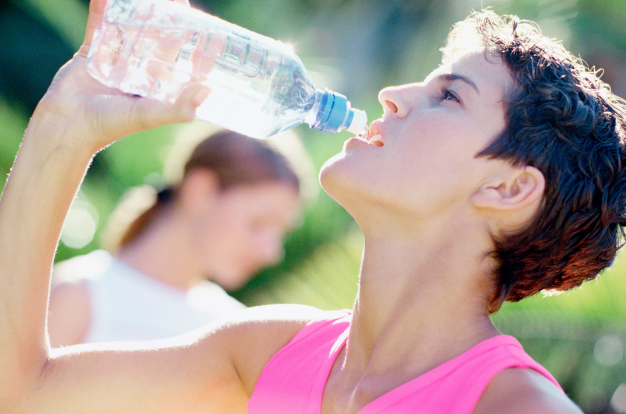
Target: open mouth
[
  {"x": 372, "y": 135},
  {"x": 377, "y": 140},
  {"x": 375, "y": 135}
]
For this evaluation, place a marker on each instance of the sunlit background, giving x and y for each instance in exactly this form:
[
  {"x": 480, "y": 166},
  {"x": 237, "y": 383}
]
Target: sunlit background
[{"x": 355, "y": 48}]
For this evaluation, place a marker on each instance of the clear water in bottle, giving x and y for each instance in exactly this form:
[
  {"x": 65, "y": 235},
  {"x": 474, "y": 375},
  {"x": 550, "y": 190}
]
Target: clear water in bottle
[{"x": 155, "y": 48}]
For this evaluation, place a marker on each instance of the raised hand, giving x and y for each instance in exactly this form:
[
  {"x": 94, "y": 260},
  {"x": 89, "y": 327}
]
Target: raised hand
[{"x": 95, "y": 115}]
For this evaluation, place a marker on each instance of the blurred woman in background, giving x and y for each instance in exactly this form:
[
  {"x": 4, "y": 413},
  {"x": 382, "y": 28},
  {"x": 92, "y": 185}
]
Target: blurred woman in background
[{"x": 213, "y": 230}]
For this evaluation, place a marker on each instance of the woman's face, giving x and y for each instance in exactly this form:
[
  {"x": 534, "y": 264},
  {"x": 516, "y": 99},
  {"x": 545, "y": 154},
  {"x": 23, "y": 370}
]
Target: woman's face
[
  {"x": 420, "y": 159},
  {"x": 243, "y": 230}
]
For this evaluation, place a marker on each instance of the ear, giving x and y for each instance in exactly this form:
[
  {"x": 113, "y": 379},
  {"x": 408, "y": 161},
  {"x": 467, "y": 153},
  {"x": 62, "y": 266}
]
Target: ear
[
  {"x": 514, "y": 189},
  {"x": 199, "y": 188}
]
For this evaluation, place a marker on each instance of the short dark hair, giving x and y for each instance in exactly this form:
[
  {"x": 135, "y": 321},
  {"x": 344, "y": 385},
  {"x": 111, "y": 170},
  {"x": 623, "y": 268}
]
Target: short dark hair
[{"x": 563, "y": 120}]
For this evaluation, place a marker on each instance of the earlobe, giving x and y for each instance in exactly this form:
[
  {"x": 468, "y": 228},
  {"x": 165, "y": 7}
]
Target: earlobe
[{"x": 520, "y": 188}]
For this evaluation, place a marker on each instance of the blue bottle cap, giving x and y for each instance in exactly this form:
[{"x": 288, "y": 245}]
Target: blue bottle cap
[{"x": 333, "y": 113}]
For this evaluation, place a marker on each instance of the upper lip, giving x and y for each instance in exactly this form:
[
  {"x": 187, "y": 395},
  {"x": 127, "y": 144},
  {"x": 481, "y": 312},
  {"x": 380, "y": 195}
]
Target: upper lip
[{"x": 375, "y": 129}]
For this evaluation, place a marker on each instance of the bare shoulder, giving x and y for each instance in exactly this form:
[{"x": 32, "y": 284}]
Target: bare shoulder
[
  {"x": 524, "y": 391},
  {"x": 69, "y": 311},
  {"x": 257, "y": 333},
  {"x": 82, "y": 267}
]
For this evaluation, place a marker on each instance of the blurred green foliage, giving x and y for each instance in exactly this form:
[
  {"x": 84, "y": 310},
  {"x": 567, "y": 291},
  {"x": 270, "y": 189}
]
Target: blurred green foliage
[{"x": 355, "y": 48}]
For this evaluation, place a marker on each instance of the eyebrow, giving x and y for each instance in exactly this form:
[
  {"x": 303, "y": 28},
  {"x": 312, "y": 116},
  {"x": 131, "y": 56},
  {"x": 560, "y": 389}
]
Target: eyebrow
[{"x": 451, "y": 77}]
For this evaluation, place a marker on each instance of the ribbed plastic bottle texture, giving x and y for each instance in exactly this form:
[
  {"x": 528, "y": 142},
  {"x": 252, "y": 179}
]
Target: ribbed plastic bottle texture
[{"x": 154, "y": 48}]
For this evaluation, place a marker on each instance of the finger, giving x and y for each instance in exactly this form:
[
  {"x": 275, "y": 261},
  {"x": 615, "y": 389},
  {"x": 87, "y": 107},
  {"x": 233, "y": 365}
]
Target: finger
[
  {"x": 203, "y": 56},
  {"x": 94, "y": 20},
  {"x": 191, "y": 98},
  {"x": 153, "y": 113}
]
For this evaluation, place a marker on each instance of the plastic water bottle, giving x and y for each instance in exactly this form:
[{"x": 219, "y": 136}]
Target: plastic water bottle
[{"x": 154, "y": 48}]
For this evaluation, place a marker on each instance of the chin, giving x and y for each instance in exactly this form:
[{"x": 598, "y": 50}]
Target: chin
[
  {"x": 331, "y": 174},
  {"x": 356, "y": 189},
  {"x": 332, "y": 161},
  {"x": 340, "y": 181}
]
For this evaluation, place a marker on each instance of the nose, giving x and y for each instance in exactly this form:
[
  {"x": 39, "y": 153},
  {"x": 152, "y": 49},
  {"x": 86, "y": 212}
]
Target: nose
[{"x": 397, "y": 100}]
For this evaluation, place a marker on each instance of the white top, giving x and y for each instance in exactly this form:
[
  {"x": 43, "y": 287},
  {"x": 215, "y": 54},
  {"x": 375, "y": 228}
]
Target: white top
[{"x": 128, "y": 305}]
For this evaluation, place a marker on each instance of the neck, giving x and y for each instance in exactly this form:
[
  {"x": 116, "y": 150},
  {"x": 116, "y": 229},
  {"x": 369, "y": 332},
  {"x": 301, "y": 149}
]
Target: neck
[{"x": 422, "y": 300}]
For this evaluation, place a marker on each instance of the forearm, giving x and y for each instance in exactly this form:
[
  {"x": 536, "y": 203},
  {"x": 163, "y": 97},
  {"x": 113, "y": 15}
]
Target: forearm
[{"x": 37, "y": 195}]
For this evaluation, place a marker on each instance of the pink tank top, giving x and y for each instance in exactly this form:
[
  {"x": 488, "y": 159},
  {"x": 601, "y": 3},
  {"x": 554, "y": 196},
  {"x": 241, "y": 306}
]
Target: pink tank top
[{"x": 293, "y": 380}]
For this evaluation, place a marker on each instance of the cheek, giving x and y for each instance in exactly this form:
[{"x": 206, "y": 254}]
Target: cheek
[
  {"x": 232, "y": 232},
  {"x": 217, "y": 233},
  {"x": 226, "y": 253},
  {"x": 432, "y": 166}
]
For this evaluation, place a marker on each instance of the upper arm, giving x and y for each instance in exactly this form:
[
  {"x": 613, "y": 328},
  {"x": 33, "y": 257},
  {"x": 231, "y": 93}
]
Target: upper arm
[
  {"x": 266, "y": 330},
  {"x": 210, "y": 370},
  {"x": 524, "y": 391}
]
